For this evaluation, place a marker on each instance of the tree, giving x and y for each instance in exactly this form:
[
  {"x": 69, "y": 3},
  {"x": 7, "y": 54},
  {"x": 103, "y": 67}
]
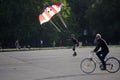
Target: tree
[{"x": 103, "y": 18}]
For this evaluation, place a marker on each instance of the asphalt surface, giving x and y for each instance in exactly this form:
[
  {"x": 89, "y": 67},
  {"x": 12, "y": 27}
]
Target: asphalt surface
[{"x": 56, "y": 64}]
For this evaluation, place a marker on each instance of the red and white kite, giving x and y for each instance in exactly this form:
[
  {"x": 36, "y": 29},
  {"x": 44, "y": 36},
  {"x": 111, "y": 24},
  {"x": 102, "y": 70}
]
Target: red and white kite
[{"x": 49, "y": 12}]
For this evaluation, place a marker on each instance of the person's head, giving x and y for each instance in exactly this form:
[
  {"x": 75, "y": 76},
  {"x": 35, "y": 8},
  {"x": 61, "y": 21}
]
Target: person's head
[
  {"x": 72, "y": 35},
  {"x": 98, "y": 36}
]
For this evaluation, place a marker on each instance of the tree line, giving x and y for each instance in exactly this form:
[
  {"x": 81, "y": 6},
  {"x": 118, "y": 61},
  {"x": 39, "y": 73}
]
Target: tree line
[{"x": 84, "y": 18}]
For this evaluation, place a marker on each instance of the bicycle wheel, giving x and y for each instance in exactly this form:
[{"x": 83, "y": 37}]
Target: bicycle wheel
[
  {"x": 87, "y": 65},
  {"x": 112, "y": 64}
]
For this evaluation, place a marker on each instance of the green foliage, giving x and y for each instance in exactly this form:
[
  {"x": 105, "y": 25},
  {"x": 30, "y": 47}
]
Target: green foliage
[
  {"x": 104, "y": 18},
  {"x": 19, "y": 20}
]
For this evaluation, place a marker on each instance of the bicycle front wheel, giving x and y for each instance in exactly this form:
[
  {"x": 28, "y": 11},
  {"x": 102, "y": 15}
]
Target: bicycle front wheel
[
  {"x": 112, "y": 64},
  {"x": 87, "y": 65}
]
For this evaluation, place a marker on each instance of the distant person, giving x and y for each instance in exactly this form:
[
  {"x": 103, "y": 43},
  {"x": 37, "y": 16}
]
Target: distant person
[
  {"x": 54, "y": 43},
  {"x": 95, "y": 42},
  {"x": 41, "y": 43},
  {"x": 75, "y": 43},
  {"x": 101, "y": 43},
  {"x": 0, "y": 46},
  {"x": 17, "y": 45}
]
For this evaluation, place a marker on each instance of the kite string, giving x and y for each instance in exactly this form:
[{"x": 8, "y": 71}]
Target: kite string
[
  {"x": 55, "y": 26},
  {"x": 60, "y": 28},
  {"x": 62, "y": 20}
]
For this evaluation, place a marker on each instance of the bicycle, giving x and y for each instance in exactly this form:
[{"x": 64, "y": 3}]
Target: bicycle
[{"x": 88, "y": 65}]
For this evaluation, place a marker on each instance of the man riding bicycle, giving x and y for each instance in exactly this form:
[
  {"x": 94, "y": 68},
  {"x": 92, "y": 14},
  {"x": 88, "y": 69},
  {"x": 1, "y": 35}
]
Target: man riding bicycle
[{"x": 101, "y": 43}]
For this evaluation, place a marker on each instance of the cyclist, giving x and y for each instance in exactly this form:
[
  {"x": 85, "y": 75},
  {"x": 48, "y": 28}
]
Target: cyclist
[
  {"x": 101, "y": 43},
  {"x": 75, "y": 43}
]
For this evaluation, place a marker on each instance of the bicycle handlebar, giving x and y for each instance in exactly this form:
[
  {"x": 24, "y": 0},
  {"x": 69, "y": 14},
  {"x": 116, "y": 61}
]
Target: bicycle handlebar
[{"x": 91, "y": 54}]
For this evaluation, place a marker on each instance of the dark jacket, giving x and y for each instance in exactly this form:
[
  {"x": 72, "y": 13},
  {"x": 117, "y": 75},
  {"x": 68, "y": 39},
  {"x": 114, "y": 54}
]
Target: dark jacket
[
  {"x": 101, "y": 44},
  {"x": 74, "y": 40}
]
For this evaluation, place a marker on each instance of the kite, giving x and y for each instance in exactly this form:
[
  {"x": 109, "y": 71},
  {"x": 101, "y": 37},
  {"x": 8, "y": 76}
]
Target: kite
[{"x": 49, "y": 12}]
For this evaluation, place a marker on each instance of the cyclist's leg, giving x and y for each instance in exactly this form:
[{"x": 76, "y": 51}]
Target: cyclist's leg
[
  {"x": 99, "y": 53},
  {"x": 100, "y": 56},
  {"x": 103, "y": 61},
  {"x": 104, "y": 54}
]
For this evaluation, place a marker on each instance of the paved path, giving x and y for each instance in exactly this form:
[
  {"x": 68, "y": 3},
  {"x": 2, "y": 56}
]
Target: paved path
[{"x": 50, "y": 65}]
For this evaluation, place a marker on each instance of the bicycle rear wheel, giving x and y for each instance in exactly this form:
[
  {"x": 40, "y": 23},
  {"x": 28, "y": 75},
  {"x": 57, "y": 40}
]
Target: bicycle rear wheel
[
  {"x": 87, "y": 65},
  {"x": 112, "y": 64}
]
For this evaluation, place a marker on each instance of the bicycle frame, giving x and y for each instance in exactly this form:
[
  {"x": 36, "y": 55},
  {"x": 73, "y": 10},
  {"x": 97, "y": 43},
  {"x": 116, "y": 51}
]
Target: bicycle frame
[
  {"x": 88, "y": 65},
  {"x": 94, "y": 57}
]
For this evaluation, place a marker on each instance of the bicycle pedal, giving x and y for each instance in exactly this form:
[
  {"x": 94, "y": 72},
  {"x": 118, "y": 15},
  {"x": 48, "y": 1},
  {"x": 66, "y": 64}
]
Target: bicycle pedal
[{"x": 90, "y": 59}]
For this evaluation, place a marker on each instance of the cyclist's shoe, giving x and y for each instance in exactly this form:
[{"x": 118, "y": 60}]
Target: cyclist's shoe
[
  {"x": 75, "y": 54},
  {"x": 103, "y": 69},
  {"x": 90, "y": 59}
]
